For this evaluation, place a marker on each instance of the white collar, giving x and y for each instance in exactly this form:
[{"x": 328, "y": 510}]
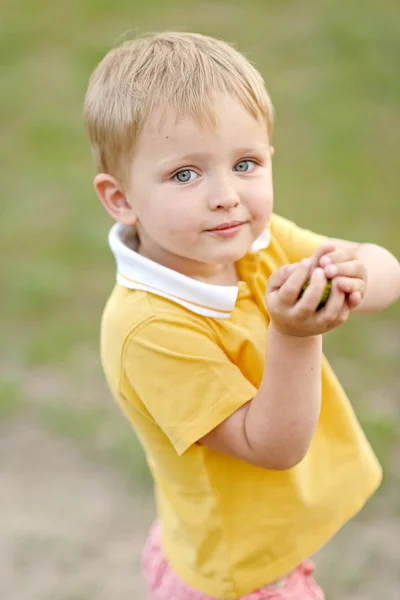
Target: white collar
[{"x": 137, "y": 272}]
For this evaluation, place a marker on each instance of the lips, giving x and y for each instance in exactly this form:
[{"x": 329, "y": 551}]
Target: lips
[{"x": 229, "y": 225}]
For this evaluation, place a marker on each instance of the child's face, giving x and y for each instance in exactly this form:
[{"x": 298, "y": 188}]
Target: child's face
[{"x": 188, "y": 180}]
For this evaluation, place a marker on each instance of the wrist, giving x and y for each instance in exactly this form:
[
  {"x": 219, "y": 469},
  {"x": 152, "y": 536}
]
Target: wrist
[{"x": 291, "y": 337}]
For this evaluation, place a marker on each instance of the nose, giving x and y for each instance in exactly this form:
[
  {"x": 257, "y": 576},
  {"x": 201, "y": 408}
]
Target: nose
[{"x": 223, "y": 195}]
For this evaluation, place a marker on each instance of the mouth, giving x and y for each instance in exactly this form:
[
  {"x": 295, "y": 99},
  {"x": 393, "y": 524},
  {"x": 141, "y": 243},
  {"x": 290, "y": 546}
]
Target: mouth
[
  {"x": 227, "y": 226},
  {"x": 227, "y": 230}
]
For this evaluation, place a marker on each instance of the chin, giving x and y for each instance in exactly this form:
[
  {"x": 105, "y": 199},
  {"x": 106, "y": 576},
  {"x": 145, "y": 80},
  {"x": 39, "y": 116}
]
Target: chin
[{"x": 233, "y": 256}]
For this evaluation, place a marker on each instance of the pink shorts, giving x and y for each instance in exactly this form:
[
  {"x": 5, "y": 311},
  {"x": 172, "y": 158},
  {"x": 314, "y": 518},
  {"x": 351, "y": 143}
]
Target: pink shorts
[{"x": 163, "y": 584}]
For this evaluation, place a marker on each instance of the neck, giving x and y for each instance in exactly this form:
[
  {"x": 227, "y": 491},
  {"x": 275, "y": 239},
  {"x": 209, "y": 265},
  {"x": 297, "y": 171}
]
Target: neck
[{"x": 215, "y": 274}]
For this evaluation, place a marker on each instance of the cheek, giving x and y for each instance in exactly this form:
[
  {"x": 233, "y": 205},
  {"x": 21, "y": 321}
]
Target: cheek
[
  {"x": 172, "y": 215},
  {"x": 179, "y": 224},
  {"x": 261, "y": 201}
]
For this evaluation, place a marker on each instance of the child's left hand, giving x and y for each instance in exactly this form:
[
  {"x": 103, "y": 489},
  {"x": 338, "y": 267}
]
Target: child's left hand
[{"x": 342, "y": 263}]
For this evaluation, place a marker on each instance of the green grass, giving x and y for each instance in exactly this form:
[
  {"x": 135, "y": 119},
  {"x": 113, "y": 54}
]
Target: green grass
[
  {"x": 100, "y": 434},
  {"x": 10, "y": 398},
  {"x": 333, "y": 76}
]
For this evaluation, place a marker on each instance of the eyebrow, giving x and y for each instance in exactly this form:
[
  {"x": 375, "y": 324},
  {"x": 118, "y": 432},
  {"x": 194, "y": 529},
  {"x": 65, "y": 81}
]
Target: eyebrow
[
  {"x": 195, "y": 156},
  {"x": 251, "y": 149}
]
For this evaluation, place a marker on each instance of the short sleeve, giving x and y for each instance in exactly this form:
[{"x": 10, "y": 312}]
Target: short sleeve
[
  {"x": 298, "y": 243},
  {"x": 184, "y": 378}
]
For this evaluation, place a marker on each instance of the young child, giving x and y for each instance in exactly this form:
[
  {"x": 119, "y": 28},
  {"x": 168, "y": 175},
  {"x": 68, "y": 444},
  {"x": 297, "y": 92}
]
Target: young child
[{"x": 208, "y": 342}]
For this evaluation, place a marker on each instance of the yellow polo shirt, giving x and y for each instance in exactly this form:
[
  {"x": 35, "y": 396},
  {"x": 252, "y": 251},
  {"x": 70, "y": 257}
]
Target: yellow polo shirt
[{"x": 180, "y": 356}]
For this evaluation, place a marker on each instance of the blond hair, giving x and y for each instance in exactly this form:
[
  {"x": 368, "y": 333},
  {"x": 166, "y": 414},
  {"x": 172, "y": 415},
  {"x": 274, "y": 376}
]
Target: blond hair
[{"x": 176, "y": 73}]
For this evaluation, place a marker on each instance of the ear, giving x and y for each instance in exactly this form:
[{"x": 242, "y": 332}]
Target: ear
[{"x": 114, "y": 199}]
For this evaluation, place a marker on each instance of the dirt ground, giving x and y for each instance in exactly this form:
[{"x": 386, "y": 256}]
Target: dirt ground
[{"x": 72, "y": 529}]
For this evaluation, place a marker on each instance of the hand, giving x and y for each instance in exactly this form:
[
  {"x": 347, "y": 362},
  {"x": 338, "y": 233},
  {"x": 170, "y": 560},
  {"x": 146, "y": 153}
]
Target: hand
[
  {"x": 299, "y": 317},
  {"x": 342, "y": 264}
]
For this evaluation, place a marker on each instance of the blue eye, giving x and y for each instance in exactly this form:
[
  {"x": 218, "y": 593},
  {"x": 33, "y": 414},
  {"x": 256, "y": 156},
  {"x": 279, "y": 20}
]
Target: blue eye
[
  {"x": 244, "y": 166},
  {"x": 185, "y": 176}
]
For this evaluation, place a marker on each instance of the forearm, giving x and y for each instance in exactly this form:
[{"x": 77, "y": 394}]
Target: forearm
[
  {"x": 383, "y": 278},
  {"x": 281, "y": 419}
]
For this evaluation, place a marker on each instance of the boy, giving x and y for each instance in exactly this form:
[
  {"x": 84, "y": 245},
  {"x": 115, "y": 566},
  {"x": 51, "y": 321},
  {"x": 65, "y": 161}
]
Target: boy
[{"x": 209, "y": 343}]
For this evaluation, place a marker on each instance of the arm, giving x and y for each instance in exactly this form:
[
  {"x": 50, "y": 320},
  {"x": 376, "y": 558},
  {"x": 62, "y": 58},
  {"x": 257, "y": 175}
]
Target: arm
[
  {"x": 382, "y": 273},
  {"x": 275, "y": 429},
  {"x": 383, "y": 278}
]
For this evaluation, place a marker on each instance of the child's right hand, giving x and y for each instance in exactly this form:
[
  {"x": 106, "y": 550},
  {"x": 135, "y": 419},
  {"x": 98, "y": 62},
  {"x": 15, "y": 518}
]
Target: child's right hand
[{"x": 299, "y": 317}]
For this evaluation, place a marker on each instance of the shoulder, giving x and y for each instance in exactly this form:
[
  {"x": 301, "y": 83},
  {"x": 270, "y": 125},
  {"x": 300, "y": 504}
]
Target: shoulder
[
  {"x": 139, "y": 328},
  {"x": 281, "y": 228},
  {"x": 130, "y": 312},
  {"x": 295, "y": 241}
]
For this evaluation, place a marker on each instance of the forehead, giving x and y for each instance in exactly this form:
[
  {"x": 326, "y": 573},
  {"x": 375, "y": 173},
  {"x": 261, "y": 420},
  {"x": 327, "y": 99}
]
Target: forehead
[{"x": 234, "y": 126}]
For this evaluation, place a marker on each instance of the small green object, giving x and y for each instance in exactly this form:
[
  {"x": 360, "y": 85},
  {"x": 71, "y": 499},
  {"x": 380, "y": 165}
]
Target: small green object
[{"x": 325, "y": 294}]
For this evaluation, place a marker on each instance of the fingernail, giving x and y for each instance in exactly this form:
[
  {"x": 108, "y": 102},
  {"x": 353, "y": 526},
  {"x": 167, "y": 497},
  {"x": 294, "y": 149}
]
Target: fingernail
[
  {"x": 306, "y": 262},
  {"x": 319, "y": 273},
  {"x": 325, "y": 260}
]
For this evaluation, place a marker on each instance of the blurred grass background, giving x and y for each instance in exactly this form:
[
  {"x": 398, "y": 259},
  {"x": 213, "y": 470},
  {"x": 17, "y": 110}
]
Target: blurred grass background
[{"x": 332, "y": 71}]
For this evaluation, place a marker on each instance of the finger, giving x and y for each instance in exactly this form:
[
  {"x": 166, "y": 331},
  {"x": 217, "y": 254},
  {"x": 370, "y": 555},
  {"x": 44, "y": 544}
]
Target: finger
[
  {"x": 311, "y": 298},
  {"x": 348, "y": 285},
  {"x": 350, "y": 268},
  {"x": 334, "y": 306},
  {"x": 290, "y": 290},
  {"x": 344, "y": 313},
  {"x": 278, "y": 278},
  {"x": 339, "y": 255},
  {"x": 353, "y": 300},
  {"x": 321, "y": 251}
]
